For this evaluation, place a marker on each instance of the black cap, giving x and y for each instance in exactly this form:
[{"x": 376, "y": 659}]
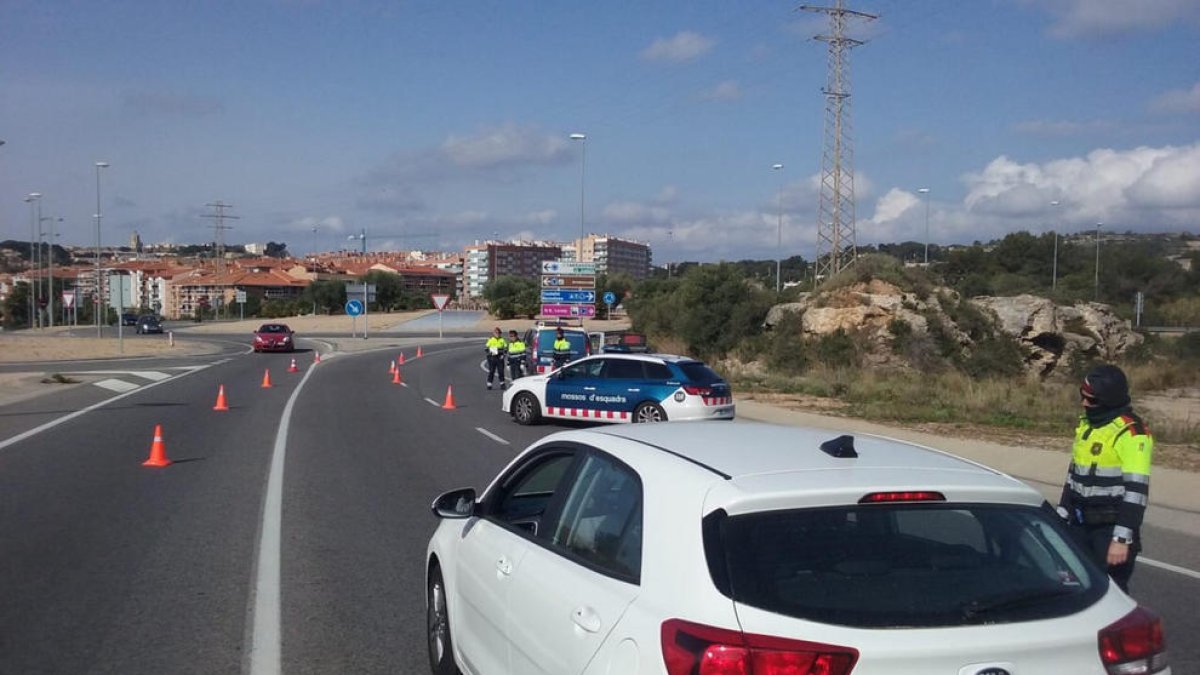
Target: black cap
[{"x": 1107, "y": 386}]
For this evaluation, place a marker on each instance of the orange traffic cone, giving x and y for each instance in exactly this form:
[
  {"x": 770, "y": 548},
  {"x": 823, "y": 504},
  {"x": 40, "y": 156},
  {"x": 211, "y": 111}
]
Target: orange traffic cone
[
  {"x": 292, "y": 368},
  {"x": 266, "y": 379},
  {"x": 449, "y": 404},
  {"x": 221, "y": 404},
  {"x": 158, "y": 452},
  {"x": 401, "y": 359},
  {"x": 418, "y": 351},
  {"x": 316, "y": 356},
  {"x": 396, "y": 376}
]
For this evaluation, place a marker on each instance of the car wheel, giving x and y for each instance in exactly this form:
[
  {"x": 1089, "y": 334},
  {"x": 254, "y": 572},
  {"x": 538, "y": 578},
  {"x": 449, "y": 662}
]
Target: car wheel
[
  {"x": 649, "y": 412},
  {"x": 525, "y": 409},
  {"x": 441, "y": 647}
]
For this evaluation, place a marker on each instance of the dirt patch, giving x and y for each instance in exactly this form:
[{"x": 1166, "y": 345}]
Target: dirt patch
[
  {"x": 52, "y": 347},
  {"x": 309, "y": 323}
]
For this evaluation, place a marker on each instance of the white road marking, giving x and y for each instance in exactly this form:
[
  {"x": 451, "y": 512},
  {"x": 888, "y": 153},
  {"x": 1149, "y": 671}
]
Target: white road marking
[
  {"x": 492, "y": 436},
  {"x": 1169, "y": 567},
  {"x": 120, "y": 386},
  {"x": 152, "y": 375},
  {"x": 433, "y": 402},
  {"x": 79, "y": 413},
  {"x": 403, "y": 384},
  {"x": 264, "y": 650}
]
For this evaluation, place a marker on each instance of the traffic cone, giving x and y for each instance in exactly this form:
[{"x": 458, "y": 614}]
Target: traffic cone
[
  {"x": 221, "y": 404},
  {"x": 418, "y": 351},
  {"x": 392, "y": 367},
  {"x": 449, "y": 404},
  {"x": 316, "y": 356},
  {"x": 396, "y": 376},
  {"x": 292, "y": 368},
  {"x": 266, "y": 379},
  {"x": 401, "y": 359},
  {"x": 158, "y": 451}
]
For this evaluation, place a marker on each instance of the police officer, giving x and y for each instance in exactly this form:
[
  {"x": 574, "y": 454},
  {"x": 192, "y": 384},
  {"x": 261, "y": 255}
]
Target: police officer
[
  {"x": 516, "y": 356},
  {"x": 1108, "y": 483},
  {"x": 495, "y": 350},
  {"x": 562, "y": 349}
]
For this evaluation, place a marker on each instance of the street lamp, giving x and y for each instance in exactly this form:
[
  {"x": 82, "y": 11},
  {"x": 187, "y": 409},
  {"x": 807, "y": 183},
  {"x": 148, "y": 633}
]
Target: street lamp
[
  {"x": 35, "y": 245},
  {"x": 96, "y": 306},
  {"x": 1096, "y": 292},
  {"x": 49, "y": 264},
  {"x": 779, "y": 236},
  {"x": 925, "y": 191},
  {"x": 1054, "y": 268},
  {"x": 582, "y": 138}
]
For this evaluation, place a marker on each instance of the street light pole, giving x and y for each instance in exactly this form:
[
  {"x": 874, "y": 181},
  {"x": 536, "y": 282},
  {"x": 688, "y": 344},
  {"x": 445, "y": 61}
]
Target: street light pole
[
  {"x": 582, "y": 138},
  {"x": 99, "y": 302},
  {"x": 1054, "y": 268},
  {"x": 1096, "y": 292},
  {"x": 35, "y": 244},
  {"x": 50, "y": 268},
  {"x": 779, "y": 237},
  {"x": 925, "y": 191}
]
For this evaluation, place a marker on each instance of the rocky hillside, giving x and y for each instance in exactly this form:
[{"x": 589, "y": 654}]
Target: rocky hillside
[{"x": 894, "y": 328}]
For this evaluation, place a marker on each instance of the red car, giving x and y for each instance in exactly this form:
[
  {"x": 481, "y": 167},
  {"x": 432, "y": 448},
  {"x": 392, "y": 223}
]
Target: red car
[{"x": 274, "y": 337}]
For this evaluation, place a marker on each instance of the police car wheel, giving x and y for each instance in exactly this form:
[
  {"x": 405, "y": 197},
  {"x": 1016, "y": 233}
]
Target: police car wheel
[
  {"x": 525, "y": 409},
  {"x": 649, "y": 412}
]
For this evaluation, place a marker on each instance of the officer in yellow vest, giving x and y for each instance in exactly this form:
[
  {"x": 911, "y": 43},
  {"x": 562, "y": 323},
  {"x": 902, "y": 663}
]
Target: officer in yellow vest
[
  {"x": 562, "y": 349},
  {"x": 495, "y": 349},
  {"x": 1108, "y": 484},
  {"x": 516, "y": 355}
]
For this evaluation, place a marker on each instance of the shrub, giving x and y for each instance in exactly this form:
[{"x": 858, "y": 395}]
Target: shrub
[
  {"x": 788, "y": 353},
  {"x": 837, "y": 349},
  {"x": 995, "y": 357}
]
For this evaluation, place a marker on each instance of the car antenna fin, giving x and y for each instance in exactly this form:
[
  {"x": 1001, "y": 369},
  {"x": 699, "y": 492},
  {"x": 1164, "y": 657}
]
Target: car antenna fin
[{"x": 841, "y": 447}]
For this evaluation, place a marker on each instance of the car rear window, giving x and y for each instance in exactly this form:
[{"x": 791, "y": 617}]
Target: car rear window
[
  {"x": 578, "y": 342},
  {"x": 910, "y": 565},
  {"x": 699, "y": 373}
]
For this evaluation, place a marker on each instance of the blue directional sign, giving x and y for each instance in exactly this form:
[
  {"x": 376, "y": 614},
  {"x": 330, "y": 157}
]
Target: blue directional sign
[
  {"x": 609, "y": 297},
  {"x": 354, "y": 307},
  {"x": 556, "y": 295}
]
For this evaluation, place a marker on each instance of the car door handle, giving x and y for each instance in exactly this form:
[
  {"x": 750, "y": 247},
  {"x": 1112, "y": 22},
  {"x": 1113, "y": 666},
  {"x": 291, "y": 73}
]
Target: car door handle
[
  {"x": 586, "y": 618},
  {"x": 589, "y": 389},
  {"x": 503, "y": 566},
  {"x": 634, "y": 390}
]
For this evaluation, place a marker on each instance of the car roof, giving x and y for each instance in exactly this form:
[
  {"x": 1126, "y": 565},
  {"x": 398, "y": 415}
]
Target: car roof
[
  {"x": 642, "y": 356},
  {"x": 757, "y": 466}
]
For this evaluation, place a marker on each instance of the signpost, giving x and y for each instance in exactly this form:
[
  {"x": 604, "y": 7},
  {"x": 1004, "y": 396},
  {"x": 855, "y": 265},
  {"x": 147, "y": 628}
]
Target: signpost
[
  {"x": 566, "y": 267},
  {"x": 439, "y": 301},
  {"x": 568, "y": 281},
  {"x": 558, "y": 309},
  {"x": 568, "y": 288},
  {"x": 240, "y": 298},
  {"x": 554, "y": 295},
  {"x": 609, "y": 299},
  {"x": 367, "y": 291},
  {"x": 354, "y": 308}
]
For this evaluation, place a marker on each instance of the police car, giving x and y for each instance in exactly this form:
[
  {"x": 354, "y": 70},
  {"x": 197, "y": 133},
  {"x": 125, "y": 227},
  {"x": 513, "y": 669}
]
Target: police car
[{"x": 623, "y": 388}]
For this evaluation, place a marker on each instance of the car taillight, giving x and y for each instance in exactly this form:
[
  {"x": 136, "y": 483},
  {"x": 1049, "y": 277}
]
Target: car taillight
[
  {"x": 697, "y": 391},
  {"x": 695, "y": 649},
  {"x": 903, "y": 496},
  {"x": 1134, "y": 645}
]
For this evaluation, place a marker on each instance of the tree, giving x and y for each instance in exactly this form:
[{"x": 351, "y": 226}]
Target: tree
[
  {"x": 326, "y": 295},
  {"x": 509, "y": 297},
  {"x": 276, "y": 250},
  {"x": 16, "y": 307}
]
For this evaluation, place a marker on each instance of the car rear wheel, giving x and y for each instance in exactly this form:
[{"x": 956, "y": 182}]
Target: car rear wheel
[
  {"x": 525, "y": 409},
  {"x": 441, "y": 647},
  {"x": 649, "y": 412}
]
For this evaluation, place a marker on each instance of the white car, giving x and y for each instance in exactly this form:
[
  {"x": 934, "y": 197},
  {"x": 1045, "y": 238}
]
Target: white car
[
  {"x": 622, "y": 388},
  {"x": 751, "y": 548}
]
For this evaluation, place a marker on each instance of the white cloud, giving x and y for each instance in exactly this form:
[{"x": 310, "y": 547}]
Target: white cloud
[
  {"x": 634, "y": 213},
  {"x": 1160, "y": 185},
  {"x": 684, "y": 46},
  {"x": 1178, "y": 101},
  {"x": 724, "y": 91},
  {"x": 1061, "y": 127},
  {"x": 668, "y": 195},
  {"x": 325, "y": 225},
  {"x": 506, "y": 145},
  {"x": 1099, "y": 18},
  {"x": 544, "y": 217},
  {"x": 893, "y": 205}
]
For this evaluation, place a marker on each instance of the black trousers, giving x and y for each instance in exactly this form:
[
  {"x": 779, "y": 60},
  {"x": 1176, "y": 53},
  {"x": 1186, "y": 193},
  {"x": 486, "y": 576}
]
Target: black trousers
[
  {"x": 1095, "y": 540},
  {"x": 516, "y": 367},
  {"x": 495, "y": 363}
]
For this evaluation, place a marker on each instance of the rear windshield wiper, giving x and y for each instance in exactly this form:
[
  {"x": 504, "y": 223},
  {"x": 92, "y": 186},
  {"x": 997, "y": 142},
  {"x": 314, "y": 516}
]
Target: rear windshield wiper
[{"x": 976, "y": 608}]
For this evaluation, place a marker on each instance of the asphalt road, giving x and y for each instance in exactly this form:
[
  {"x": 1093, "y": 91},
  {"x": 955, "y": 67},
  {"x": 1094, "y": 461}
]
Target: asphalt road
[{"x": 110, "y": 567}]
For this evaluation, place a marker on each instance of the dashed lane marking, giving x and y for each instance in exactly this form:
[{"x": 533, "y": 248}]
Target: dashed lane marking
[
  {"x": 492, "y": 436},
  {"x": 433, "y": 402}
]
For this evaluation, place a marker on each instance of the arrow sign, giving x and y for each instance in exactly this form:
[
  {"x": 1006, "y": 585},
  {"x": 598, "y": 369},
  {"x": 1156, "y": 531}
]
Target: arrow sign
[
  {"x": 354, "y": 307},
  {"x": 568, "y": 310},
  {"x": 572, "y": 297},
  {"x": 569, "y": 281},
  {"x": 559, "y": 267}
]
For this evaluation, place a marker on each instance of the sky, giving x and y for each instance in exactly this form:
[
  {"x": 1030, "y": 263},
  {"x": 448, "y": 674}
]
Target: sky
[{"x": 434, "y": 124}]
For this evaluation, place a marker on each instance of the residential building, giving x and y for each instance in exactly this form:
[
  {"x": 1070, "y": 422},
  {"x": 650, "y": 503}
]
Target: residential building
[
  {"x": 490, "y": 260},
  {"x": 614, "y": 255}
]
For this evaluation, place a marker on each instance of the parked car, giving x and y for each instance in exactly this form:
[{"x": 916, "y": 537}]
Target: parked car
[
  {"x": 148, "y": 323},
  {"x": 274, "y": 337},
  {"x": 539, "y": 340},
  {"x": 128, "y": 319},
  {"x": 755, "y": 548},
  {"x": 622, "y": 388},
  {"x": 619, "y": 342}
]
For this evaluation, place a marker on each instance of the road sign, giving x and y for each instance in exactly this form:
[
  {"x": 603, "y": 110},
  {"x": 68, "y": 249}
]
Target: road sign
[
  {"x": 568, "y": 310},
  {"x": 354, "y": 307},
  {"x": 439, "y": 300},
  {"x": 68, "y": 298},
  {"x": 356, "y": 290},
  {"x": 568, "y": 281},
  {"x": 560, "y": 267},
  {"x": 554, "y": 295},
  {"x": 610, "y": 298},
  {"x": 239, "y": 296}
]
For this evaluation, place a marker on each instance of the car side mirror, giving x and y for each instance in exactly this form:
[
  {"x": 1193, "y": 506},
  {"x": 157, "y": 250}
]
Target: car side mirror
[{"x": 458, "y": 503}]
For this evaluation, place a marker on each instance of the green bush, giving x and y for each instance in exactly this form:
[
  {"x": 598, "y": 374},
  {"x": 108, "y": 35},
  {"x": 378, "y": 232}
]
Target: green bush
[
  {"x": 788, "y": 352},
  {"x": 994, "y": 357},
  {"x": 1187, "y": 346},
  {"x": 836, "y": 350}
]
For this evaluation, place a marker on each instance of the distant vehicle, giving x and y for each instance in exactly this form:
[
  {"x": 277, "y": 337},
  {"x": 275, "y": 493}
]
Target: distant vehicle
[
  {"x": 148, "y": 323},
  {"x": 274, "y": 337},
  {"x": 681, "y": 549},
  {"x": 622, "y": 388},
  {"x": 619, "y": 342},
  {"x": 539, "y": 340},
  {"x": 128, "y": 319}
]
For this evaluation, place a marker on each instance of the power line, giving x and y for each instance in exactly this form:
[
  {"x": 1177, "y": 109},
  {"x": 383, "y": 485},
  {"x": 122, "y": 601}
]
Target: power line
[{"x": 219, "y": 226}]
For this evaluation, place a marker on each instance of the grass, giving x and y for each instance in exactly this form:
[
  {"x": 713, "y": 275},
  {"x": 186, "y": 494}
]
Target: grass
[{"x": 59, "y": 378}]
